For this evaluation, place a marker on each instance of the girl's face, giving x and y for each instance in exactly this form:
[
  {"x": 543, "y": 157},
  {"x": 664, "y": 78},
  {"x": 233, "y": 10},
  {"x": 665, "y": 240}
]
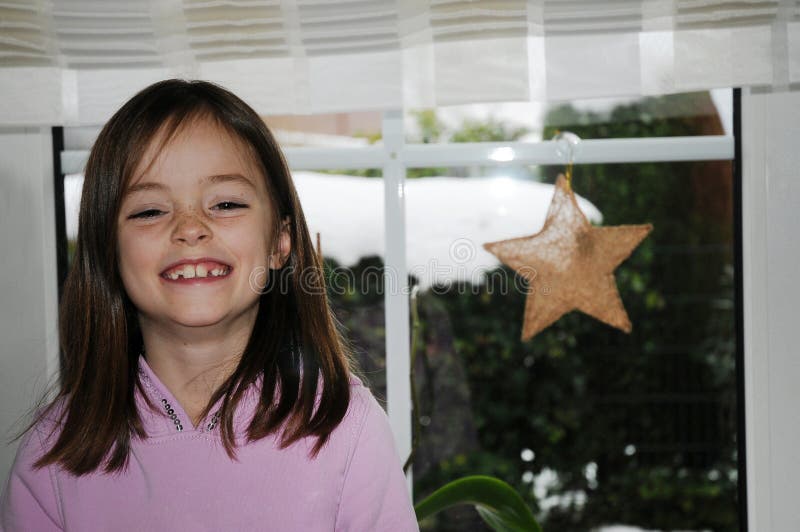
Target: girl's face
[{"x": 193, "y": 231}]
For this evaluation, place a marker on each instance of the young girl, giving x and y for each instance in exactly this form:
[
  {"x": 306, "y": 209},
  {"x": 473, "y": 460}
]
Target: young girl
[{"x": 204, "y": 383}]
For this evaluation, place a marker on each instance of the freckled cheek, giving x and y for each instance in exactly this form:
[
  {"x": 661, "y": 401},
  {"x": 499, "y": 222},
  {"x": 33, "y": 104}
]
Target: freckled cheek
[{"x": 250, "y": 245}]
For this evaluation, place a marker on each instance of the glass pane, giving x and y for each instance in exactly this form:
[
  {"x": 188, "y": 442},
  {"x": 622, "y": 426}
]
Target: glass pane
[
  {"x": 688, "y": 114},
  {"x": 594, "y": 427},
  {"x": 352, "y": 244},
  {"x": 73, "y": 184},
  {"x": 352, "y": 239},
  {"x": 326, "y": 130}
]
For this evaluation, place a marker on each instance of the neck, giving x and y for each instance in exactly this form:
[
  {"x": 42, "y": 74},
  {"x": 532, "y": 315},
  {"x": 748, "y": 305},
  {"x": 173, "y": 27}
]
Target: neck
[{"x": 193, "y": 363}]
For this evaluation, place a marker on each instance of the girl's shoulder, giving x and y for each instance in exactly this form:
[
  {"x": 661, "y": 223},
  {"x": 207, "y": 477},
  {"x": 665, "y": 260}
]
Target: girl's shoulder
[
  {"x": 361, "y": 397},
  {"x": 364, "y": 411},
  {"x": 356, "y": 381},
  {"x": 43, "y": 429},
  {"x": 29, "y": 500},
  {"x": 373, "y": 494}
]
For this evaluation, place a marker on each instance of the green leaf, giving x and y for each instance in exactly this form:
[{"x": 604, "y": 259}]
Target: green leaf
[{"x": 500, "y": 506}]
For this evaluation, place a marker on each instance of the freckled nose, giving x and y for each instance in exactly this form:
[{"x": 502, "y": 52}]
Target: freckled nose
[{"x": 190, "y": 229}]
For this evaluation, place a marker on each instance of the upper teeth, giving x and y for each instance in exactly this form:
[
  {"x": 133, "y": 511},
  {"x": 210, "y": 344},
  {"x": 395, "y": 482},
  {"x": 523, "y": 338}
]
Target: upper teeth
[{"x": 189, "y": 271}]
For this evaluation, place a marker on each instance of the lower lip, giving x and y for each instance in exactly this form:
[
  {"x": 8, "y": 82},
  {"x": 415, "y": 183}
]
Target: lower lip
[{"x": 197, "y": 280}]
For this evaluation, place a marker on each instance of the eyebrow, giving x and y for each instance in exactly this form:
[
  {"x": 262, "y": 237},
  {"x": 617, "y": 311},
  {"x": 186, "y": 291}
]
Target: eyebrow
[{"x": 212, "y": 179}]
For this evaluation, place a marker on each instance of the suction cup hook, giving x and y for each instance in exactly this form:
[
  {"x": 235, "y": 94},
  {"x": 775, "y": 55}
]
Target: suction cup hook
[{"x": 568, "y": 146}]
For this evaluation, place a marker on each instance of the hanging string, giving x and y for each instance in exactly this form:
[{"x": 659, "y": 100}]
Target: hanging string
[{"x": 567, "y": 147}]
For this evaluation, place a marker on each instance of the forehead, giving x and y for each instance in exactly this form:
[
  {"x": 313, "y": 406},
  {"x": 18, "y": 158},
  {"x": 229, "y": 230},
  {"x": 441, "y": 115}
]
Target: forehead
[{"x": 197, "y": 147}]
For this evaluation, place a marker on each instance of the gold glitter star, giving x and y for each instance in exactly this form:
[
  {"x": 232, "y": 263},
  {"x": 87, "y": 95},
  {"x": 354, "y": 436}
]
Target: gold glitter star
[{"x": 569, "y": 264}]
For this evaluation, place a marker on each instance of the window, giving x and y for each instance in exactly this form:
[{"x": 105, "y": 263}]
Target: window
[{"x": 594, "y": 427}]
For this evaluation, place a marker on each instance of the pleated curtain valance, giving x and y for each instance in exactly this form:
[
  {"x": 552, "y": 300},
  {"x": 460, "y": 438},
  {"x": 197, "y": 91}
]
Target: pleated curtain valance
[{"x": 74, "y": 62}]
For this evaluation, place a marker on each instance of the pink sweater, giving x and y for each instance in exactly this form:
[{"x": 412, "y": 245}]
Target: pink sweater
[{"x": 183, "y": 479}]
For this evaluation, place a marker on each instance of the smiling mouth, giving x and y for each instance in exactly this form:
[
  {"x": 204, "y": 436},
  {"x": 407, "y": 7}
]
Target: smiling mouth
[{"x": 201, "y": 270}]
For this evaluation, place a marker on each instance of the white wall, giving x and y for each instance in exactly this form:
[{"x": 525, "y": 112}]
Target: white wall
[
  {"x": 771, "y": 196},
  {"x": 28, "y": 285}
]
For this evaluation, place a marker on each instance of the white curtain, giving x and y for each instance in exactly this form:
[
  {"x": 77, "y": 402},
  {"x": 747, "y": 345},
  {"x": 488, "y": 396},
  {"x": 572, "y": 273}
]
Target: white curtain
[{"x": 74, "y": 62}]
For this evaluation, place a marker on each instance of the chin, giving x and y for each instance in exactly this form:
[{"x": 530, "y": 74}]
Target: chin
[
  {"x": 206, "y": 317},
  {"x": 201, "y": 321}
]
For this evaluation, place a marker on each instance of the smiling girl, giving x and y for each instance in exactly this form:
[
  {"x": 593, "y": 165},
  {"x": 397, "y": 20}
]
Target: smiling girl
[{"x": 204, "y": 382}]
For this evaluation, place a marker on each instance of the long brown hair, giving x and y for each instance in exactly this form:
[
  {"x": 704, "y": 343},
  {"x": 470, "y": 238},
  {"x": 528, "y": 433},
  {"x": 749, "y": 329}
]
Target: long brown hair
[{"x": 295, "y": 332}]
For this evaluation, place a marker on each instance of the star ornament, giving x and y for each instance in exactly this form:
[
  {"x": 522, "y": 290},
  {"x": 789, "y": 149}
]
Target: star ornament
[{"x": 569, "y": 265}]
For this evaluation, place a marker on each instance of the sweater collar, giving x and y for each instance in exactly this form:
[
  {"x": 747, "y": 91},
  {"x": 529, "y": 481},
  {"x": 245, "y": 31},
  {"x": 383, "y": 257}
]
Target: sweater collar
[{"x": 168, "y": 416}]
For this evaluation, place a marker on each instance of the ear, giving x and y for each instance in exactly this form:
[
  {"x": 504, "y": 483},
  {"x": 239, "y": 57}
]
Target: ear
[{"x": 284, "y": 246}]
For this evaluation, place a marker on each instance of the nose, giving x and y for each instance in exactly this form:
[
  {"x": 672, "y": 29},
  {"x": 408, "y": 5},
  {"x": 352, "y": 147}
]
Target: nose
[{"x": 190, "y": 229}]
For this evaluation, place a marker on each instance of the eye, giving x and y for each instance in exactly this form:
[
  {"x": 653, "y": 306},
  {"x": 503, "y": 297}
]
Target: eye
[
  {"x": 149, "y": 213},
  {"x": 229, "y": 206}
]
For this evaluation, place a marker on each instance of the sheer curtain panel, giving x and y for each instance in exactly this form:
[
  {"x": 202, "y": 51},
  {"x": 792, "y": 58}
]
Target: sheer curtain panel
[{"x": 73, "y": 62}]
